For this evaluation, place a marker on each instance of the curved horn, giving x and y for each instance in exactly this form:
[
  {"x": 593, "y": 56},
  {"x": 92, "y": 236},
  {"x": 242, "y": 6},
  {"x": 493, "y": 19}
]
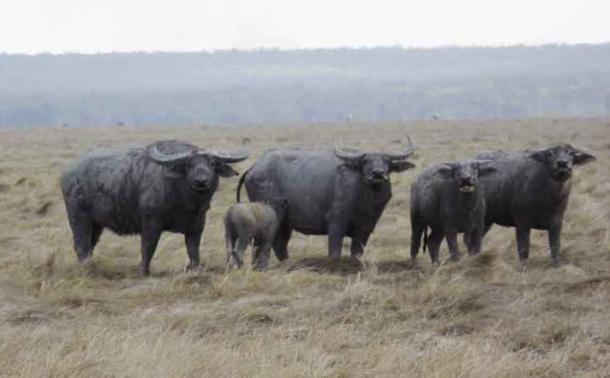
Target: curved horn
[
  {"x": 161, "y": 157},
  {"x": 349, "y": 154},
  {"x": 405, "y": 154},
  {"x": 227, "y": 157}
]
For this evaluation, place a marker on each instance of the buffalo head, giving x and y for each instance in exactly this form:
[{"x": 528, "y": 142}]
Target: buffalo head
[
  {"x": 376, "y": 167},
  {"x": 466, "y": 173},
  {"x": 199, "y": 167},
  {"x": 561, "y": 159}
]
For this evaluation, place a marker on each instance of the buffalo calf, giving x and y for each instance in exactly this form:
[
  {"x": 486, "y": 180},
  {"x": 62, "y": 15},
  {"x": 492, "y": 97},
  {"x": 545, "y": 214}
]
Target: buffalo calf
[
  {"x": 446, "y": 198},
  {"x": 256, "y": 223}
]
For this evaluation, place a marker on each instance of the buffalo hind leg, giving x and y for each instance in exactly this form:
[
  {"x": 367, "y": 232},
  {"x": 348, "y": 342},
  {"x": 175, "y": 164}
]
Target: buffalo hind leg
[
  {"x": 280, "y": 245},
  {"x": 434, "y": 243},
  {"x": 417, "y": 230},
  {"x": 96, "y": 233},
  {"x": 263, "y": 252},
  {"x": 240, "y": 251},
  {"x": 358, "y": 245},
  {"x": 82, "y": 233}
]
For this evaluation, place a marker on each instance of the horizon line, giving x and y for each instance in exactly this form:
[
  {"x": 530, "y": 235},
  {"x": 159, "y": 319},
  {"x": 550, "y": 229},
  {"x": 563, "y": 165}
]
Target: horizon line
[{"x": 306, "y": 49}]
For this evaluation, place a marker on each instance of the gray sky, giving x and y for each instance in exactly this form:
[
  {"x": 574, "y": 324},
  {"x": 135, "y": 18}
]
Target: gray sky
[{"x": 31, "y": 26}]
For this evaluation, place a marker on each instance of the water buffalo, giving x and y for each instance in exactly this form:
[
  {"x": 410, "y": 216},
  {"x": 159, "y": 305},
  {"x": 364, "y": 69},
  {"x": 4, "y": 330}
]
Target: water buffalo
[
  {"x": 446, "y": 198},
  {"x": 166, "y": 186},
  {"x": 253, "y": 222},
  {"x": 531, "y": 190},
  {"x": 336, "y": 193}
]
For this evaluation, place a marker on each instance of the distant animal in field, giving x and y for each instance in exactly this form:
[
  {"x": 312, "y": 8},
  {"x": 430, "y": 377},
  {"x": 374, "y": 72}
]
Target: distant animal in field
[
  {"x": 245, "y": 140},
  {"x": 531, "y": 190},
  {"x": 336, "y": 193},
  {"x": 254, "y": 223},
  {"x": 165, "y": 186},
  {"x": 447, "y": 199}
]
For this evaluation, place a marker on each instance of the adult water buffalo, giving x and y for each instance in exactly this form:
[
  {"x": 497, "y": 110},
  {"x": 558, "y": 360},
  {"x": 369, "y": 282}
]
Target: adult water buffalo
[
  {"x": 531, "y": 190},
  {"x": 447, "y": 198},
  {"x": 336, "y": 193},
  {"x": 166, "y": 186}
]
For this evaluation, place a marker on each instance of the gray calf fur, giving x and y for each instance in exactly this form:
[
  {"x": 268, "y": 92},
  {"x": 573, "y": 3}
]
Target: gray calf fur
[{"x": 254, "y": 223}]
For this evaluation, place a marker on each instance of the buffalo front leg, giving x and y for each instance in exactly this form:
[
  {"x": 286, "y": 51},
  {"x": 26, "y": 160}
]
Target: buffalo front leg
[
  {"x": 454, "y": 252},
  {"x": 474, "y": 242},
  {"x": 335, "y": 244},
  {"x": 523, "y": 243},
  {"x": 149, "y": 241},
  {"x": 555, "y": 242},
  {"x": 192, "y": 241}
]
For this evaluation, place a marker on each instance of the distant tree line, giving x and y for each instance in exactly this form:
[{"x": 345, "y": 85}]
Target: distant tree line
[{"x": 325, "y": 85}]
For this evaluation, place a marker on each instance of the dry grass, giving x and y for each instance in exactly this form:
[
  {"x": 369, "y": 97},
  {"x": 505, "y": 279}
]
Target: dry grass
[{"x": 480, "y": 317}]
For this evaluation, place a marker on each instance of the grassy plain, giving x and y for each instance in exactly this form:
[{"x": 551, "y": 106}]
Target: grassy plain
[{"x": 479, "y": 317}]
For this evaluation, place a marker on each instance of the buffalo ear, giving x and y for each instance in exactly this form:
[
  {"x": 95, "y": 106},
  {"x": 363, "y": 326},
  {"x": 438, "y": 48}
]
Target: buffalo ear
[
  {"x": 581, "y": 157},
  {"x": 400, "y": 166},
  {"x": 446, "y": 170},
  {"x": 352, "y": 163},
  {"x": 541, "y": 156},
  {"x": 225, "y": 170},
  {"x": 486, "y": 170}
]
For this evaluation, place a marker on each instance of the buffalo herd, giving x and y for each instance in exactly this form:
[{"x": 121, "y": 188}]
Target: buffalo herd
[{"x": 168, "y": 186}]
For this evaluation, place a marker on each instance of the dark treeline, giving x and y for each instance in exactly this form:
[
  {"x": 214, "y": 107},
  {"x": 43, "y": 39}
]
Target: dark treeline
[{"x": 325, "y": 85}]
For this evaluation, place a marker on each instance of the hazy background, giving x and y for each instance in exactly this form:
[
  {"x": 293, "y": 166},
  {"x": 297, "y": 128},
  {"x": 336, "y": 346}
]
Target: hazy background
[{"x": 76, "y": 63}]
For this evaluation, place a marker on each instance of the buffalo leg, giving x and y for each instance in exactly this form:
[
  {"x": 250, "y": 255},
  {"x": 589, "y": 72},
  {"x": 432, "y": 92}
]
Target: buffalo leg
[
  {"x": 474, "y": 243},
  {"x": 335, "y": 244},
  {"x": 82, "y": 233},
  {"x": 192, "y": 241},
  {"x": 240, "y": 250},
  {"x": 434, "y": 244},
  {"x": 555, "y": 242},
  {"x": 263, "y": 253},
  {"x": 230, "y": 244},
  {"x": 416, "y": 233},
  {"x": 280, "y": 246},
  {"x": 523, "y": 243},
  {"x": 454, "y": 252},
  {"x": 149, "y": 241},
  {"x": 96, "y": 233},
  {"x": 358, "y": 245}
]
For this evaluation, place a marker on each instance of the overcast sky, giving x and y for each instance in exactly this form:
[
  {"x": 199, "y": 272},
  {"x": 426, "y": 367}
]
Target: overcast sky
[{"x": 32, "y": 26}]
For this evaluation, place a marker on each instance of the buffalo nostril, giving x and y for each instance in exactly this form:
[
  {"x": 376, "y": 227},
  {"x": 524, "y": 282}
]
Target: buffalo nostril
[
  {"x": 562, "y": 164},
  {"x": 201, "y": 182}
]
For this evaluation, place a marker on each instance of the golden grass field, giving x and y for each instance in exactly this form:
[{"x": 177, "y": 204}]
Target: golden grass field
[{"x": 480, "y": 317}]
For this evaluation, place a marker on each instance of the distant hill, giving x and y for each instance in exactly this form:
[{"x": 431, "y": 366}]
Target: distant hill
[{"x": 325, "y": 85}]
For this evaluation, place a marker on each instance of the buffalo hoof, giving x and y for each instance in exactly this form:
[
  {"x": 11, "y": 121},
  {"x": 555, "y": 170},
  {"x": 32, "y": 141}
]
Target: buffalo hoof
[
  {"x": 454, "y": 258},
  {"x": 145, "y": 272},
  {"x": 193, "y": 267},
  {"x": 557, "y": 262},
  {"x": 523, "y": 265}
]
